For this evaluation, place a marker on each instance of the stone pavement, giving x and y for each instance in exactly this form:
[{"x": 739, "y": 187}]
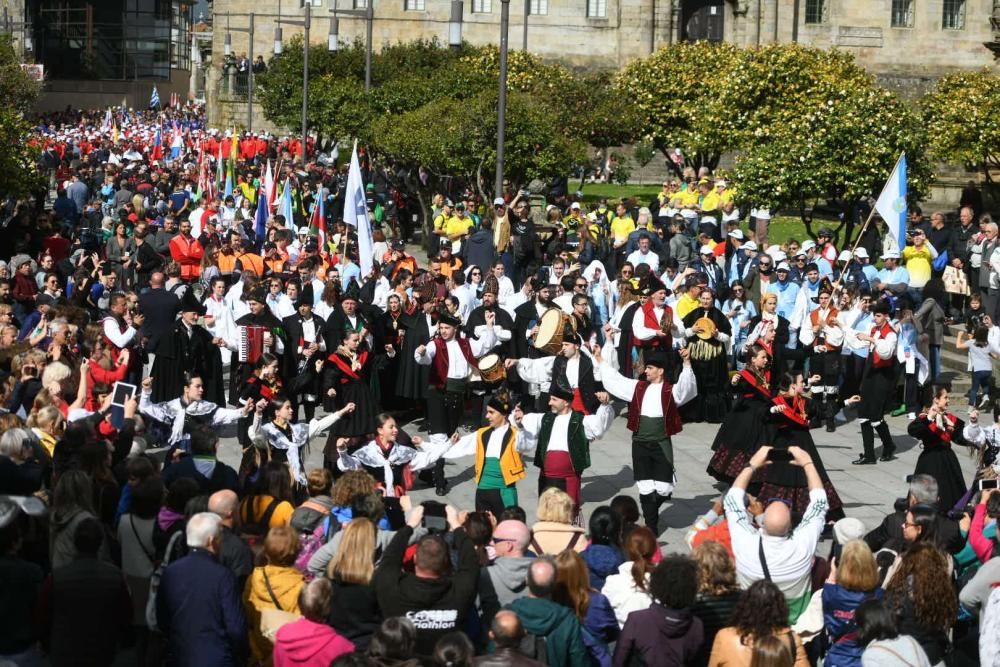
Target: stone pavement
[{"x": 867, "y": 491}]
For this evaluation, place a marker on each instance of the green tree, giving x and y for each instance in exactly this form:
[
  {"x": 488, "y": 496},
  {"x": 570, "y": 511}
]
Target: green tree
[
  {"x": 962, "y": 117},
  {"x": 643, "y": 153},
  {"x": 19, "y": 174},
  {"x": 676, "y": 92}
]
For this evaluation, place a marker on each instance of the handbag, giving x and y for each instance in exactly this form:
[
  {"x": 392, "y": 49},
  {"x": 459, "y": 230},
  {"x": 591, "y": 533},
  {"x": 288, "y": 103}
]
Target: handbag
[
  {"x": 271, "y": 620},
  {"x": 940, "y": 261},
  {"x": 955, "y": 281}
]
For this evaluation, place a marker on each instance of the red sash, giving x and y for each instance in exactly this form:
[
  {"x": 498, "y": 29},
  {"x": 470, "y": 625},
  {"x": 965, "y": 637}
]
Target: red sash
[
  {"x": 942, "y": 433},
  {"x": 346, "y": 368},
  {"x": 794, "y": 411},
  {"x": 755, "y": 383}
]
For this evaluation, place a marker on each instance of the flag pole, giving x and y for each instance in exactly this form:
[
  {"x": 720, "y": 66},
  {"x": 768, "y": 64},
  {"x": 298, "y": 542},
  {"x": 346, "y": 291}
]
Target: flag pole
[{"x": 864, "y": 227}]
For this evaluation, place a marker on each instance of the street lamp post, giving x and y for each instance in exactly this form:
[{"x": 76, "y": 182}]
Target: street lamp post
[
  {"x": 527, "y": 13},
  {"x": 455, "y": 24},
  {"x": 502, "y": 106},
  {"x": 278, "y": 48},
  {"x": 368, "y": 13},
  {"x": 228, "y": 50}
]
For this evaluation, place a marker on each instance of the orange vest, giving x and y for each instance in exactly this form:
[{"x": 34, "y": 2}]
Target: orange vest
[
  {"x": 252, "y": 262},
  {"x": 275, "y": 265},
  {"x": 227, "y": 263},
  {"x": 511, "y": 464}
]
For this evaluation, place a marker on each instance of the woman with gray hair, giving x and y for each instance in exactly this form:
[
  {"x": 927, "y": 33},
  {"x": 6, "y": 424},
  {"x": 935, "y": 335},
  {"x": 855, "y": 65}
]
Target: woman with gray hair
[
  {"x": 20, "y": 473},
  {"x": 309, "y": 641},
  {"x": 72, "y": 503}
]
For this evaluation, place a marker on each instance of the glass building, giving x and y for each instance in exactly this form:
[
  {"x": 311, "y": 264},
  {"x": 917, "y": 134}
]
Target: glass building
[{"x": 117, "y": 40}]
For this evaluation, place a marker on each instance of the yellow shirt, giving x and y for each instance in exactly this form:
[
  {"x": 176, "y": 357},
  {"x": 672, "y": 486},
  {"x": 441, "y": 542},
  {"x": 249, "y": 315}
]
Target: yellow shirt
[
  {"x": 711, "y": 202},
  {"x": 918, "y": 264},
  {"x": 621, "y": 227},
  {"x": 457, "y": 225},
  {"x": 690, "y": 197},
  {"x": 685, "y": 304}
]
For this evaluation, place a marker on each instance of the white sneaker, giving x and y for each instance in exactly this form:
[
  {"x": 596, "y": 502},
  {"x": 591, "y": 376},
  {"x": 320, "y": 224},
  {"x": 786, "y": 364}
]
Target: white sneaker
[{"x": 911, "y": 416}]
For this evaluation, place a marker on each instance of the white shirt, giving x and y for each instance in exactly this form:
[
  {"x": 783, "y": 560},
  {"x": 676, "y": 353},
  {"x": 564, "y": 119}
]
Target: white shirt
[
  {"x": 458, "y": 367},
  {"x": 113, "y": 333},
  {"x": 642, "y": 332},
  {"x": 638, "y": 257},
  {"x": 539, "y": 371},
  {"x": 506, "y": 290},
  {"x": 466, "y": 446},
  {"x": 623, "y": 388},
  {"x": 594, "y": 426}
]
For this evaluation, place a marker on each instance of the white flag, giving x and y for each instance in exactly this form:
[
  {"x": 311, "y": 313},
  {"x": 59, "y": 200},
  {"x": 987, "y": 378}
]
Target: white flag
[
  {"x": 269, "y": 185},
  {"x": 356, "y": 213}
]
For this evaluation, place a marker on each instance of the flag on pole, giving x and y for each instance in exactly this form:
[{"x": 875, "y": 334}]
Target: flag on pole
[
  {"x": 228, "y": 192},
  {"x": 108, "y": 121},
  {"x": 260, "y": 222},
  {"x": 157, "y": 153},
  {"x": 114, "y": 132},
  {"x": 286, "y": 208},
  {"x": 234, "y": 150},
  {"x": 356, "y": 213},
  {"x": 154, "y": 99},
  {"x": 317, "y": 222},
  {"x": 891, "y": 204},
  {"x": 269, "y": 186},
  {"x": 219, "y": 173}
]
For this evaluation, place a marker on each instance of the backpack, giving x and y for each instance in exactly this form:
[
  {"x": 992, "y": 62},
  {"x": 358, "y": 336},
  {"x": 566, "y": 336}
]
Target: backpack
[
  {"x": 154, "y": 581},
  {"x": 254, "y": 529},
  {"x": 312, "y": 542}
]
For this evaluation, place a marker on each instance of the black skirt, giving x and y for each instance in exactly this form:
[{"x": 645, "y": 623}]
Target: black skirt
[
  {"x": 787, "y": 482},
  {"x": 941, "y": 463},
  {"x": 361, "y": 422},
  {"x": 743, "y": 431}
]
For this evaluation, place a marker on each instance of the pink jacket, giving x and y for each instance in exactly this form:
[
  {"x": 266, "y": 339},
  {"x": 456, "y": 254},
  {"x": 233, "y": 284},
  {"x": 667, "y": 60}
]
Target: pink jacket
[{"x": 305, "y": 643}]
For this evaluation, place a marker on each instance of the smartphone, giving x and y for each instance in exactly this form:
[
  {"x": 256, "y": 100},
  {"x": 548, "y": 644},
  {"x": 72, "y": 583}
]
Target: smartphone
[
  {"x": 435, "y": 518},
  {"x": 777, "y": 455},
  {"x": 988, "y": 484}
]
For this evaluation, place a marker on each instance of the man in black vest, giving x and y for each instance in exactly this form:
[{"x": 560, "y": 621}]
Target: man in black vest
[
  {"x": 571, "y": 368},
  {"x": 305, "y": 340}
]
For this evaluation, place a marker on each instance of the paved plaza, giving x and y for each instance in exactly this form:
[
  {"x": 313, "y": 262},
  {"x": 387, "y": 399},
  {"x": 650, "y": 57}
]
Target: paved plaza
[{"x": 867, "y": 491}]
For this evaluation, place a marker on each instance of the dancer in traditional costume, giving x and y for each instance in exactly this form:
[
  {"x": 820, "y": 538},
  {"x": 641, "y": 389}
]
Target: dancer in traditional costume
[{"x": 937, "y": 429}]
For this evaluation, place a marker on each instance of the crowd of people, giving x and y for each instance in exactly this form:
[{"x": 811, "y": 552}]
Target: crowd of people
[{"x": 168, "y": 297}]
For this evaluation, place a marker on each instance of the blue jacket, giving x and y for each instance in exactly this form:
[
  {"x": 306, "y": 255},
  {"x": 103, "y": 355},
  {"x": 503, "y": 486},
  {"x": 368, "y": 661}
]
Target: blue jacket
[
  {"x": 599, "y": 629},
  {"x": 198, "y": 609},
  {"x": 838, "y": 618},
  {"x": 602, "y": 560}
]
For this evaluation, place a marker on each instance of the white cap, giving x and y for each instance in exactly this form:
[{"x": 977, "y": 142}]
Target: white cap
[
  {"x": 709, "y": 220},
  {"x": 499, "y": 202},
  {"x": 750, "y": 245},
  {"x": 783, "y": 266},
  {"x": 706, "y": 250},
  {"x": 844, "y": 256},
  {"x": 892, "y": 254},
  {"x": 861, "y": 253},
  {"x": 779, "y": 254},
  {"x": 721, "y": 182},
  {"x": 761, "y": 213},
  {"x": 737, "y": 234},
  {"x": 807, "y": 245},
  {"x": 575, "y": 206}
]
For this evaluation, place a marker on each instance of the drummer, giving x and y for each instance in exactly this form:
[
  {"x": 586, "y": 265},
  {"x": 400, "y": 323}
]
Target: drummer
[
  {"x": 503, "y": 328},
  {"x": 573, "y": 367},
  {"x": 452, "y": 359}
]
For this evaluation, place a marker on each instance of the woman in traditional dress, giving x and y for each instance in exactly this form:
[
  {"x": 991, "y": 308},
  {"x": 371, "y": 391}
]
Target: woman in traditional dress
[
  {"x": 769, "y": 330},
  {"x": 708, "y": 331},
  {"x": 389, "y": 330},
  {"x": 284, "y": 440},
  {"x": 792, "y": 415},
  {"x": 390, "y": 462},
  {"x": 937, "y": 429},
  {"x": 346, "y": 380},
  {"x": 744, "y": 428}
]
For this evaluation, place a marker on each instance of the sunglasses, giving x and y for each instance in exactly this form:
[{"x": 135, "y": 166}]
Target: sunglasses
[{"x": 581, "y": 284}]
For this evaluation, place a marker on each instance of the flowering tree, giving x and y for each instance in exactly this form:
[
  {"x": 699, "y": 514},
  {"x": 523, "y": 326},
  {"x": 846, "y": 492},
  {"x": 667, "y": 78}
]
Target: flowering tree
[{"x": 962, "y": 116}]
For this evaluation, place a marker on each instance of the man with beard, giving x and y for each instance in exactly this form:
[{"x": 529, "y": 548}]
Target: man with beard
[
  {"x": 304, "y": 341},
  {"x": 119, "y": 333},
  {"x": 259, "y": 316},
  {"x": 653, "y": 324},
  {"x": 188, "y": 350},
  {"x": 528, "y": 315},
  {"x": 503, "y": 329}
]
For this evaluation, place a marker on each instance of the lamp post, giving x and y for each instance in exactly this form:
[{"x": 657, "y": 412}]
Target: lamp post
[
  {"x": 368, "y": 13},
  {"x": 527, "y": 13},
  {"x": 502, "y": 106},
  {"x": 228, "y": 50},
  {"x": 9, "y": 26}
]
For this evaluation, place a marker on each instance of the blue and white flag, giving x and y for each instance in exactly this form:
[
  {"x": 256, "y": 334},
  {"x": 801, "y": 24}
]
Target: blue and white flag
[
  {"x": 154, "y": 99},
  {"x": 260, "y": 222},
  {"x": 356, "y": 213},
  {"x": 286, "y": 208},
  {"x": 891, "y": 204}
]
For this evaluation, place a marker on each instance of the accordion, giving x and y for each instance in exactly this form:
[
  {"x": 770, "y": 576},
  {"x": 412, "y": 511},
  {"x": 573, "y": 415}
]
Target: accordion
[{"x": 251, "y": 343}]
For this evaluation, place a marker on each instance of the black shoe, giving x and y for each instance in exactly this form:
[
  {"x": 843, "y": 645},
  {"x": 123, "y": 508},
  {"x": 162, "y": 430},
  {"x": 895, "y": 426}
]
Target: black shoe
[
  {"x": 887, "y": 455},
  {"x": 441, "y": 491},
  {"x": 831, "y": 426},
  {"x": 863, "y": 461}
]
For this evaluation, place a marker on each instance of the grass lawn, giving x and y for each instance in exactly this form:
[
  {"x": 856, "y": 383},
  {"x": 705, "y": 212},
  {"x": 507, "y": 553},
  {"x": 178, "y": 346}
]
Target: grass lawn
[{"x": 783, "y": 227}]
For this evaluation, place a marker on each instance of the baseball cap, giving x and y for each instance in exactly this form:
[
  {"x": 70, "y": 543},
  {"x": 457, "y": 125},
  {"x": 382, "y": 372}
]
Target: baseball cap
[
  {"x": 499, "y": 202},
  {"x": 749, "y": 245},
  {"x": 575, "y": 206},
  {"x": 737, "y": 234},
  {"x": 706, "y": 250},
  {"x": 807, "y": 245},
  {"x": 861, "y": 253},
  {"x": 783, "y": 266},
  {"x": 892, "y": 254}
]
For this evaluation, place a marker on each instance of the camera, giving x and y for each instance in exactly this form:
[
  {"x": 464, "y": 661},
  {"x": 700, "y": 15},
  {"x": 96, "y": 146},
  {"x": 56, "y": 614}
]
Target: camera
[{"x": 435, "y": 517}]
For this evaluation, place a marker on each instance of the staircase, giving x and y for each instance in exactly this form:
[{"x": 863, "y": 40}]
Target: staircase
[{"x": 954, "y": 365}]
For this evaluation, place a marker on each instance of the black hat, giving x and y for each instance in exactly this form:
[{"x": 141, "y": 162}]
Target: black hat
[
  {"x": 306, "y": 296},
  {"x": 500, "y": 404},
  {"x": 654, "y": 285},
  {"x": 658, "y": 359},
  {"x": 445, "y": 317},
  {"x": 312, "y": 245},
  {"x": 44, "y": 299},
  {"x": 560, "y": 391},
  {"x": 353, "y": 292},
  {"x": 491, "y": 285},
  {"x": 825, "y": 287},
  {"x": 569, "y": 334},
  {"x": 190, "y": 304},
  {"x": 881, "y": 307},
  {"x": 825, "y": 231},
  {"x": 259, "y": 295},
  {"x": 398, "y": 245}
]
